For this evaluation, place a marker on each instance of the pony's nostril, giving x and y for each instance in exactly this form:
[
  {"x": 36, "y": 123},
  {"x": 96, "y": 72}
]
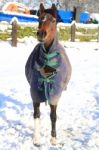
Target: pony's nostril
[
  {"x": 37, "y": 33},
  {"x": 41, "y": 34}
]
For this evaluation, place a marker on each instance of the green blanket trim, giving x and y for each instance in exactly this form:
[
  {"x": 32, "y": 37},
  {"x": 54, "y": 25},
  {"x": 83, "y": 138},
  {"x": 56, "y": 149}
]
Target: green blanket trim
[
  {"x": 48, "y": 80},
  {"x": 49, "y": 61}
]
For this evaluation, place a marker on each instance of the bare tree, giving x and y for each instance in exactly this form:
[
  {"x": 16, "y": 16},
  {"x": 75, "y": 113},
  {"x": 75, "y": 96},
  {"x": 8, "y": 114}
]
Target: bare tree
[
  {"x": 65, "y": 4},
  {"x": 62, "y": 4}
]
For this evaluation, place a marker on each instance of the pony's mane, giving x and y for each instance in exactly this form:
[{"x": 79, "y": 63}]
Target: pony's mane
[{"x": 49, "y": 11}]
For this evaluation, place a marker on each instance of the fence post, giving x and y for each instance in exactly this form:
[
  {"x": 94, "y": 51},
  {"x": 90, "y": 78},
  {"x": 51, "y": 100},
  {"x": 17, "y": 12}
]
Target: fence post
[
  {"x": 14, "y": 33},
  {"x": 73, "y": 31},
  {"x": 77, "y": 15}
]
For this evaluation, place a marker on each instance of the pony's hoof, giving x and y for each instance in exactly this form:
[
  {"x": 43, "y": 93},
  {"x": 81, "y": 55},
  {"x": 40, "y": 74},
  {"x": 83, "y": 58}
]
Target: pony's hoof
[
  {"x": 36, "y": 142},
  {"x": 53, "y": 140}
]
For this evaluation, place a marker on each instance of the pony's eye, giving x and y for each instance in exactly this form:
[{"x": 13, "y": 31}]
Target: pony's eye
[{"x": 40, "y": 23}]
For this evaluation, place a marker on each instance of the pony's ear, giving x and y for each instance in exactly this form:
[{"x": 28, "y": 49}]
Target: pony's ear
[
  {"x": 41, "y": 9},
  {"x": 54, "y": 9}
]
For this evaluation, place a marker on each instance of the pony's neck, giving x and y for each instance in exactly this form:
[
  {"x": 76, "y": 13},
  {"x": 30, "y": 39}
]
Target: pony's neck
[{"x": 48, "y": 44}]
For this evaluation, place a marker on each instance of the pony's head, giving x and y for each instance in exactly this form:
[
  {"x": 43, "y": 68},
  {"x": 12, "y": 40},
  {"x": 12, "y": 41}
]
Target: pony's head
[{"x": 47, "y": 25}]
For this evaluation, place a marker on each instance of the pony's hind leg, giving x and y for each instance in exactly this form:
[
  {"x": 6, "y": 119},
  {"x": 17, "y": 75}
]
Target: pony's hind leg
[
  {"x": 53, "y": 118},
  {"x": 36, "y": 138}
]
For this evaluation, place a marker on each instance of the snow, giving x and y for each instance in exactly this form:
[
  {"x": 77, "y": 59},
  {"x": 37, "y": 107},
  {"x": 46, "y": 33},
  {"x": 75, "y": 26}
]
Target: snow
[
  {"x": 94, "y": 16},
  {"x": 78, "y": 109}
]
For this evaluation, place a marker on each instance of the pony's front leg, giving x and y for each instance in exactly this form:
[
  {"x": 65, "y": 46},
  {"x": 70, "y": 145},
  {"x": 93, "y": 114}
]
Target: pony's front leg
[
  {"x": 53, "y": 117},
  {"x": 36, "y": 139}
]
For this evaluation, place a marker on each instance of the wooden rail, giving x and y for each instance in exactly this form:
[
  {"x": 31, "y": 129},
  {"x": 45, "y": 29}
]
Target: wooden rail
[
  {"x": 74, "y": 30},
  {"x": 13, "y": 27}
]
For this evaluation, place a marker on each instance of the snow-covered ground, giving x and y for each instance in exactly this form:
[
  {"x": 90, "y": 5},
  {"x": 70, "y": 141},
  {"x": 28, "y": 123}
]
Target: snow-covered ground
[{"x": 78, "y": 109}]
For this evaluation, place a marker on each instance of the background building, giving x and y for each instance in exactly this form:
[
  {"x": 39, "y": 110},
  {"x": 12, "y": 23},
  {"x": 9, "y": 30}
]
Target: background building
[{"x": 88, "y": 5}]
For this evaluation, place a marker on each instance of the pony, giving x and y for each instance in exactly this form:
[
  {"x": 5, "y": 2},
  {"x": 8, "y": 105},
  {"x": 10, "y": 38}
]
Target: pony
[{"x": 48, "y": 70}]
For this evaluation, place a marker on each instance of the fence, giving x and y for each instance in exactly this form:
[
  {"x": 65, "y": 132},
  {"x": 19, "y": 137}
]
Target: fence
[
  {"x": 90, "y": 27},
  {"x": 81, "y": 32},
  {"x": 75, "y": 33}
]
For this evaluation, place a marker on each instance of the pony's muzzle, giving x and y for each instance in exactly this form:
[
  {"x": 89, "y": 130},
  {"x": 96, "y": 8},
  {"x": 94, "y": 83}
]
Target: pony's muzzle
[{"x": 41, "y": 34}]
